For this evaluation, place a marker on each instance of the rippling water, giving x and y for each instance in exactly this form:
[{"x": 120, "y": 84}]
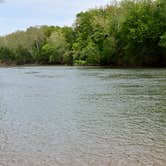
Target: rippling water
[{"x": 61, "y": 116}]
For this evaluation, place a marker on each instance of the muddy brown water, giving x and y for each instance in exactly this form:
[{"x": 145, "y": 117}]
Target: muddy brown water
[{"x": 82, "y": 116}]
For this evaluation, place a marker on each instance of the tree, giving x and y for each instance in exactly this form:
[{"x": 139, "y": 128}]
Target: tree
[{"x": 126, "y": 33}]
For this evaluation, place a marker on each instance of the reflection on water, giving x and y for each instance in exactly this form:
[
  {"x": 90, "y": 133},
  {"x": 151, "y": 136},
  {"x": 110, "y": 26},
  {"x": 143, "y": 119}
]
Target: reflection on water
[{"x": 53, "y": 116}]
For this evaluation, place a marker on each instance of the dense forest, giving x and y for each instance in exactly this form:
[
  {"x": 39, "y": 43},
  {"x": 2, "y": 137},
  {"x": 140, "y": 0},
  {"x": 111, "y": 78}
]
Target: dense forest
[{"x": 127, "y": 33}]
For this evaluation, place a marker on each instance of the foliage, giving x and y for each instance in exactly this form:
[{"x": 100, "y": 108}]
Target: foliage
[{"x": 128, "y": 33}]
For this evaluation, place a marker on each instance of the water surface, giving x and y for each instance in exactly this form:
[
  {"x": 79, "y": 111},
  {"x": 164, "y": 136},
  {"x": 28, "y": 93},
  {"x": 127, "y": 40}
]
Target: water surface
[{"x": 61, "y": 116}]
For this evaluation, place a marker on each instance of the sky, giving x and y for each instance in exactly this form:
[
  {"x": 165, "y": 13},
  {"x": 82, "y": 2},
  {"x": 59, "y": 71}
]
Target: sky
[{"x": 20, "y": 14}]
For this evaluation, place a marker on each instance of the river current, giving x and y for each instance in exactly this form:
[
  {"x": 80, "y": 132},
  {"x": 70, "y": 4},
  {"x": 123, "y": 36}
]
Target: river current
[{"x": 82, "y": 116}]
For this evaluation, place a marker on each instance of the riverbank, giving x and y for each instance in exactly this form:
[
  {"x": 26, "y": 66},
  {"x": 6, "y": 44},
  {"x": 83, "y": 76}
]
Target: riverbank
[
  {"x": 134, "y": 38},
  {"x": 83, "y": 66}
]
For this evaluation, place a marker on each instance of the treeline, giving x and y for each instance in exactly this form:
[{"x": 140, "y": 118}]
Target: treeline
[{"x": 128, "y": 33}]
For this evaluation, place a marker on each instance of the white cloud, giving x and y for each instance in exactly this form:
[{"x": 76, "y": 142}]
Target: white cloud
[{"x": 20, "y": 14}]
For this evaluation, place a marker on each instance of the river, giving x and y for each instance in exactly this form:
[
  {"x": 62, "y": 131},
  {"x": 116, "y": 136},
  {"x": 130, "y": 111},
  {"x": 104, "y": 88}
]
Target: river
[{"x": 82, "y": 116}]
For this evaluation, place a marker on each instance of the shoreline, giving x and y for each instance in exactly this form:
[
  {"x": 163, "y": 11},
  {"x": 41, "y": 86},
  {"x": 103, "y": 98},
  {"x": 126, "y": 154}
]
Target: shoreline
[{"x": 83, "y": 66}]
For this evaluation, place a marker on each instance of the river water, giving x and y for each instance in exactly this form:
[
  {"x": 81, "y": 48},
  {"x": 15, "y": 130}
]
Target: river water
[{"x": 82, "y": 116}]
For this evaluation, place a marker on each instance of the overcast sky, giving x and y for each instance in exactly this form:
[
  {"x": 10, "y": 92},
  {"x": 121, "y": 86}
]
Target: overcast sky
[{"x": 20, "y": 14}]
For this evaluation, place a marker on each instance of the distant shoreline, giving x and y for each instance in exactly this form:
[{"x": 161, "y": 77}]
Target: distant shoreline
[{"x": 86, "y": 66}]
